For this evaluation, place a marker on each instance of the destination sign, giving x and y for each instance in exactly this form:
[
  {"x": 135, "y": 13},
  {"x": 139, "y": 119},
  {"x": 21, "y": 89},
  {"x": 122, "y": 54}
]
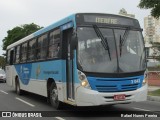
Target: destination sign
[{"x": 106, "y": 19}]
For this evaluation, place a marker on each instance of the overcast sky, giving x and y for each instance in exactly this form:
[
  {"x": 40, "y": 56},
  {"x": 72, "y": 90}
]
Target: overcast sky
[{"x": 44, "y": 12}]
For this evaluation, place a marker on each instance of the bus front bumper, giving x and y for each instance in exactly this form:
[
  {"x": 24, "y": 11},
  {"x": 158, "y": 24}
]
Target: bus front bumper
[{"x": 87, "y": 97}]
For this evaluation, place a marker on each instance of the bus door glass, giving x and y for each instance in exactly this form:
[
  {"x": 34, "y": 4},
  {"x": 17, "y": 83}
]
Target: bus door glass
[{"x": 67, "y": 35}]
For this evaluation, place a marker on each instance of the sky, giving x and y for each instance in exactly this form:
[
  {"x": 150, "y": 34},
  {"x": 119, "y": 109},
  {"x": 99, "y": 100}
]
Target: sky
[{"x": 45, "y": 12}]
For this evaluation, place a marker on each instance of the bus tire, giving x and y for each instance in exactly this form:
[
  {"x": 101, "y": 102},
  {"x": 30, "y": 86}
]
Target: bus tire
[
  {"x": 53, "y": 95},
  {"x": 17, "y": 88}
]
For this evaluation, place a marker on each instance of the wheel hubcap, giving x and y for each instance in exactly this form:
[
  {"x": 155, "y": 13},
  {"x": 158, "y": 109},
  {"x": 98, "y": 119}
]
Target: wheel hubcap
[{"x": 54, "y": 95}]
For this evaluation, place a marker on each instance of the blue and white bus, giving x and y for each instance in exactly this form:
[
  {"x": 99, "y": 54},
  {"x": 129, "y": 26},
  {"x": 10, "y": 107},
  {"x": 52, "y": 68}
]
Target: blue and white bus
[{"x": 86, "y": 59}]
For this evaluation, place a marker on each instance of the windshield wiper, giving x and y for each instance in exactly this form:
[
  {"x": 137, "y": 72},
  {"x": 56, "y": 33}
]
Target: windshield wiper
[
  {"x": 123, "y": 39},
  {"x": 104, "y": 40}
]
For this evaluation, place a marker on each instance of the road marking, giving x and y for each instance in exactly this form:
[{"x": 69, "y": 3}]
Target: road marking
[
  {"x": 141, "y": 109},
  {"x": 3, "y": 92},
  {"x": 25, "y": 102},
  {"x": 59, "y": 118}
]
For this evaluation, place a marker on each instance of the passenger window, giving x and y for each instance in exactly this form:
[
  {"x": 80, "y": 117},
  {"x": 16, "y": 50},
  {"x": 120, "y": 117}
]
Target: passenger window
[
  {"x": 24, "y": 52},
  {"x": 17, "y": 54},
  {"x": 31, "y": 50},
  {"x": 54, "y": 44},
  {"x": 42, "y": 47},
  {"x": 8, "y": 57}
]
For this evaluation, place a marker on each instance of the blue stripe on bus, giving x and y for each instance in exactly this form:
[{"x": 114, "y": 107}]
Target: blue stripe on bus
[
  {"x": 42, "y": 71},
  {"x": 115, "y": 84},
  {"x": 55, "y": 69}
]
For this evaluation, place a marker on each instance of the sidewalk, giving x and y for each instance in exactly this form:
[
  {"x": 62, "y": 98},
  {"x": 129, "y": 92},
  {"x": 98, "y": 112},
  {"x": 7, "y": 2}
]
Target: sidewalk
[
  {"x": 153, "y": 88},
  {"x": 153, "y": 98}
]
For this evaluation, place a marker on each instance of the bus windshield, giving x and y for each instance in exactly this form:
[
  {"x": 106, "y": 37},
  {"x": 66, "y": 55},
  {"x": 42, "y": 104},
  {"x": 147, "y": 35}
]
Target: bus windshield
[{"x": 126, "y": 54}]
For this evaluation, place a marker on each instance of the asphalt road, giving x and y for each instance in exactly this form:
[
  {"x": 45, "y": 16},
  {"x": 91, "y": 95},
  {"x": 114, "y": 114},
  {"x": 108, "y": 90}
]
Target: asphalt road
[{"x": 11, "y": 102}]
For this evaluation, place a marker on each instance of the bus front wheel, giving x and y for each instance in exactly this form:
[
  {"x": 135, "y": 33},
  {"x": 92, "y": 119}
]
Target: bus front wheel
[{"x": 54, "y": 97}]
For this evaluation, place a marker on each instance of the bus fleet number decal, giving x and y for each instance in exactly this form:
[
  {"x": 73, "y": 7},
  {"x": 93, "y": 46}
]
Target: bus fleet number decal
[{"x": 135, "y": 81}]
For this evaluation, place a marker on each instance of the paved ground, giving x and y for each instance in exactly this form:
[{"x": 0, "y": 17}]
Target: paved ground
[{"x": 9, "y": 101}]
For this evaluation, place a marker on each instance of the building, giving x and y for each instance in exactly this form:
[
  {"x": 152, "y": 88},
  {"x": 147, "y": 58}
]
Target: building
[
  {"x": 123, "y": 12},
  {"x": 151, "y": 29},
  {"x": 152, "y": 35}
]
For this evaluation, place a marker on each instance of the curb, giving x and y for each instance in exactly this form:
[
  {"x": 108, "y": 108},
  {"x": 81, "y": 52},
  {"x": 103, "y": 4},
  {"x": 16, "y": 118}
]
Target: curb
[{"x": 153, "y": 98}]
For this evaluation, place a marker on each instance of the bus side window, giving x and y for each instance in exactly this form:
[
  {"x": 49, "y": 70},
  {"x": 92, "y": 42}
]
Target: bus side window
[
  {"x": 8, "y": 56},
  {"x": 54, "y": 44},
  {"x": 24, "y": 52},
  {"x": 32, "y": 50},
  {"x": 17, "y": 54},
  {"x": 11, "y": 57},
  {"x": 42, "y": 47}
]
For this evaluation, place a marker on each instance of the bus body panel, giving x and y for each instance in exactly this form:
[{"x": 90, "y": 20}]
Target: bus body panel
[
  {"x": 9, "y": 78},
  {"x": 33, "y": 76}
]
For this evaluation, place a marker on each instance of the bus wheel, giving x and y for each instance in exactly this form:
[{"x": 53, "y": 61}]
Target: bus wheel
[
  {"x": 54, "y": 97},
  {"x": 18, "y": 90}
]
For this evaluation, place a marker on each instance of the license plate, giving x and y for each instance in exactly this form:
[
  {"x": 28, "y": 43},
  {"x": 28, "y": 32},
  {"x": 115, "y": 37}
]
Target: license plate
[{"x": 120, "y": 97}]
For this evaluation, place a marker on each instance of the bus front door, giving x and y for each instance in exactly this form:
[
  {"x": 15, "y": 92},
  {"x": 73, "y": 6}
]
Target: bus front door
[{"x": 67, "y": 34}]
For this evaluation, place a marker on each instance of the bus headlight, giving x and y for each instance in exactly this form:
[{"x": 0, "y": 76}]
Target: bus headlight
[
  {"x": 84, "y": 83},
  {"x": 145, "y": 78},
  {"x": 83, "y": 79},
  {"x": 144, "y": 81}
]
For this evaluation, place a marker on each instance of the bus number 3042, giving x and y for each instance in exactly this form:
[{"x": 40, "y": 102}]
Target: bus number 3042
[{"x": 135, "y": 81}]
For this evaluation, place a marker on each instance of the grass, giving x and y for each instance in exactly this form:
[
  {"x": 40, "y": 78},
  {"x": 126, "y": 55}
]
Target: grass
[{"x": 154, "y": 93}]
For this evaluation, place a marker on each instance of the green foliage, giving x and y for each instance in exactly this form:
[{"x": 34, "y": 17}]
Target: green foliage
[
  {"x": 19, "y": 32},
  {"x": 2, "y": 62},
  {"x": 154, "y": 5},
  {"x": 154, "y": 93}
]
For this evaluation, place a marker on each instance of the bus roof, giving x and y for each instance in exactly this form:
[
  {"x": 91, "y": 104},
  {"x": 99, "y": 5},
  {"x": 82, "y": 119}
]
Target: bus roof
[{"x": 54, "y": 25}]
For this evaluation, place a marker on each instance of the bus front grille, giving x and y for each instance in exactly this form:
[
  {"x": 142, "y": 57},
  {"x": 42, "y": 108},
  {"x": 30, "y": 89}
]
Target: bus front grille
[
  {"x": 117, "y": 88},
  {"x": 115, "y": 84}
]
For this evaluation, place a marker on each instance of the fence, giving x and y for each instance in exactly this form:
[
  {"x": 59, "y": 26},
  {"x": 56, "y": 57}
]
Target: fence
[{"x": 154, "y": 78}]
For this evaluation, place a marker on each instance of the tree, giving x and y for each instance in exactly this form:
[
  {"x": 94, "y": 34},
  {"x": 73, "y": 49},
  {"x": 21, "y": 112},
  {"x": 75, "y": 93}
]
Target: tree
[
  {"x": 18, "y": 33},
  {"x": 2, "y": 62},
  {"x": 154, "y": 5}
]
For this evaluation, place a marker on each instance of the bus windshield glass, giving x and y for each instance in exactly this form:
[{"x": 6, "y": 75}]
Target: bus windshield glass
[{"x": 126, "y": 54}]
